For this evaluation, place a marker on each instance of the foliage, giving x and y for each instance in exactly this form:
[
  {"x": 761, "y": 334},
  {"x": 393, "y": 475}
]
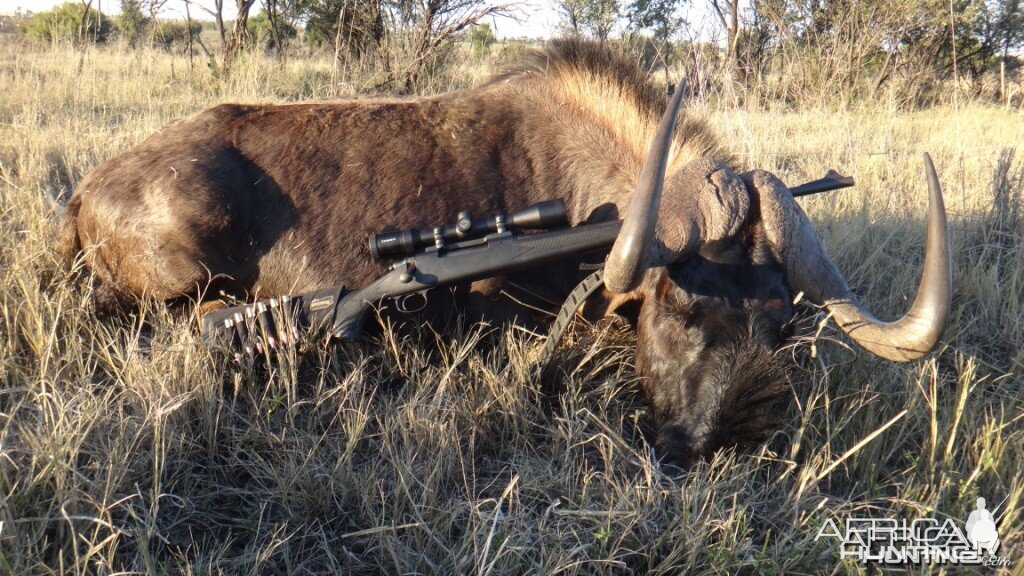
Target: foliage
[
  {"x": 134, "y": 26},
  {"x": 11, "y": 23},
  {"x": 362, "y": 23},
  {"x": 169, "y": 32},
  {"x": 774, "y": 50},
  {"x": 595, "y": 18},
  {"x": 422, "y": 34},
  {"x": 848, "y": 50},
  {"x": 512, "y": 50},
  {"x": 262, "y": 33},
  {"x": 71, "y": 21},
  {"x": 661, "y": 17},
  {"x": 131, "y": 22},
  {"x": 481, "y": 38}
]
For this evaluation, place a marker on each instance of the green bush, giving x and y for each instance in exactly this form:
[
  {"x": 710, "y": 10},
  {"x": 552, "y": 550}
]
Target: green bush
[
  {"x": 131, "y": 22},
  {"x": 481, "y": 37},
  {"x": 512, "y": 50},
  {"x": 64, "y": 22},
  {"x": 259, "y": 28},
  {"x": 169, "y": 32}
]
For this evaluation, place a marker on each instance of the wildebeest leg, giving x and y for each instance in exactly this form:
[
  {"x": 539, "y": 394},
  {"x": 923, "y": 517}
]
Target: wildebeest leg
[
  {"x": 484, "y": 303},
  {"x": 108, "y": 301}
]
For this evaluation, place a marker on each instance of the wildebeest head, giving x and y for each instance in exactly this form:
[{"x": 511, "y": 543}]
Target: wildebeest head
[
  {"x": 708, "y": 332},
  {"x": 716, "y": 273}
]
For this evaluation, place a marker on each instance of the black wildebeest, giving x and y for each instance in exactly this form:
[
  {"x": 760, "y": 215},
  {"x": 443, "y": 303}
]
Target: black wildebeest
[{"x": 278, "y": 199}]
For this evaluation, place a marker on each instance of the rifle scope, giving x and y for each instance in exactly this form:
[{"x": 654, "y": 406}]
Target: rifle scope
[{"x": 542, "y": 215}]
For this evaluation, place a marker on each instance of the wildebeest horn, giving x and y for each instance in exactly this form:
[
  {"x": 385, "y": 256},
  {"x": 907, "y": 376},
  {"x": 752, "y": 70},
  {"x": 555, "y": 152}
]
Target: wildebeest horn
[
  {"x": 917, "y": 332},
  {"x": 625, "y": 265}
]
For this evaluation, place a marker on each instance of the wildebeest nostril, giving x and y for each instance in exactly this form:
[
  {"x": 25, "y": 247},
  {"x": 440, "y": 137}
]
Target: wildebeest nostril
[{"x": 675, "y": 446}]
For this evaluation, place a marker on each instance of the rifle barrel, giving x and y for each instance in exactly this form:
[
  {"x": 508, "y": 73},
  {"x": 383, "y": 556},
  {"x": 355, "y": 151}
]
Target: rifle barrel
[{"x": 832, "y": 181}]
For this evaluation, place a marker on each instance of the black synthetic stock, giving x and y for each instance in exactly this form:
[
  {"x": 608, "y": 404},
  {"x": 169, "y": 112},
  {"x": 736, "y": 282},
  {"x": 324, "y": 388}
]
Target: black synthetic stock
[{"x": 344, "y": 312}]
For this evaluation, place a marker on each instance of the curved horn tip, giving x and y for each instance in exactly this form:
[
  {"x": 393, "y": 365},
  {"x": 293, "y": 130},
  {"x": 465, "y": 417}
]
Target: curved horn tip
[
  {"x": 934, "y": 189},
  {"x": 926, "y": 320},
  {"x": 919, "y": 330}
]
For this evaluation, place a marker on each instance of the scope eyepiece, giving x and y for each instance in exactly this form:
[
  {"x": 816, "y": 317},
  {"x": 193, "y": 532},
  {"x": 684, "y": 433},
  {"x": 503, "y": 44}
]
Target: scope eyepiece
[
  {"x": 549, "y": 214},
  {"x": 396, "y": 244}
]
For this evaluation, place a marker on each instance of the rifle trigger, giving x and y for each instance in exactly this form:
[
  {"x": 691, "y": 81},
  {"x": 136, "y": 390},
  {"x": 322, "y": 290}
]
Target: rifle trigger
[{"x": 403, "y": 306}]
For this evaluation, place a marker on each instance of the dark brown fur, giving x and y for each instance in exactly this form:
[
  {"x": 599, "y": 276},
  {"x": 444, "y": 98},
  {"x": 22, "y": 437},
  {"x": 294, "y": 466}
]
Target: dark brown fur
[{"x": 262, "y": 200}]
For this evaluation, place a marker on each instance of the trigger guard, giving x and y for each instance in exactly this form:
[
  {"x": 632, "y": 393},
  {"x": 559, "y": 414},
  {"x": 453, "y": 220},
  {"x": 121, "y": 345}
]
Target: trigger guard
[{"x": 402, "y": 303}]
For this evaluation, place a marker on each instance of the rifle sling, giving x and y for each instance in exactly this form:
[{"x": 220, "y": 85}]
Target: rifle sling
[{"x": 576, "y": 298}]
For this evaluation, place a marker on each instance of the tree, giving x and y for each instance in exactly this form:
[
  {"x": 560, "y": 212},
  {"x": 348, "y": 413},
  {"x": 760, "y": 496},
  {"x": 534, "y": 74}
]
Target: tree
[
  {"x": 728, "y": 12},
  {"x": 83, "y": 25},
  {"x": 1008, "y": 24},
  {"x": 218, "y": 16},
  {"x": 152, "y": 9},
  {"x": 262, "y": 31},
  {"x": 433, "y": 23},
  {"x": 68, "y": 22},
  {"x": 131, "y": 22},
  {"x": 481, "y": 38},
  {"x": 594, "y": 18},
  {"x": 272, "y": 13},
  {"x": 240, "y": 36},
  {"x": 351, "y": 26},
  {"x": 1004, "y": 24},
  {"x": 570, "y": 13},
  {"x": 662, "y": 19}
]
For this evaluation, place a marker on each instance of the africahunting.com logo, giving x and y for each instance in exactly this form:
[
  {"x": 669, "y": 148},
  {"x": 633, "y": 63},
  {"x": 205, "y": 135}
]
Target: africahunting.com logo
[{"x": 920, "y": 541}]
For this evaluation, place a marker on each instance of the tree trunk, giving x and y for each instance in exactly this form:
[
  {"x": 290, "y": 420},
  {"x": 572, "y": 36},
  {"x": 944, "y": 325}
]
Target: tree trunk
[
  {"x": 219, "y": 17},
  {"x": 275, "y": 31},
  {"x": 188, "y": 25},
  {"x": 84, "y": 24},
  {"x": 239, "y": 32},
  {"x": 729, "y": 17},
  {"x": 337, "y": 45}
]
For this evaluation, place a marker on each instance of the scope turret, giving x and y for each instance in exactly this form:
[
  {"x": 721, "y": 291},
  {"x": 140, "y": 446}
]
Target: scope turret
[{"x": 543, "y": 215}]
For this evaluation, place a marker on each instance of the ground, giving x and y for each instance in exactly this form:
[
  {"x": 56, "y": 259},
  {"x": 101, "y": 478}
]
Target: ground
[{"x": 125, "y": 447}]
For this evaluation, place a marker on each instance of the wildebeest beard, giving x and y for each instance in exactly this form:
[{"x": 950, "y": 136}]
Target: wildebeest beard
[{"x": 707, "y": 353}]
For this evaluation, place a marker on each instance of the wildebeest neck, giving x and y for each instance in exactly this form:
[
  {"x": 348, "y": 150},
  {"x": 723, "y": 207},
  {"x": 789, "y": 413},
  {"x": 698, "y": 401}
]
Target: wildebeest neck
[{"x": 586, "y": 133}]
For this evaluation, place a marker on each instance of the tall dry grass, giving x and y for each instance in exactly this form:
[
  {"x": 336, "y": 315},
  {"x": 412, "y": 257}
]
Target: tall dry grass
[{"x": 125, "y": 448}]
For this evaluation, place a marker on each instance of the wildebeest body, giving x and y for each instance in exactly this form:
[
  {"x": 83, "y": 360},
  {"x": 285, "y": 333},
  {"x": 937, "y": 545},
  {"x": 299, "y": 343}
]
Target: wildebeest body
[
  {"x": 265, "y": 200},
  {"x": 280, "y": 199}
]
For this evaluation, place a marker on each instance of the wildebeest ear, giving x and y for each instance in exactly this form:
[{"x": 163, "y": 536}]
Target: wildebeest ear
[{"x": 607, "y": 303}]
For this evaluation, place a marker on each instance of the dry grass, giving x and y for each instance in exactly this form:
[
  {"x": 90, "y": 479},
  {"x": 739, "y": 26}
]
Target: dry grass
[{"x": 128, "y": 449}]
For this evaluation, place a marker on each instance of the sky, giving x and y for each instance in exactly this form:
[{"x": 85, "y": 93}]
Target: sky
[{"x": 539, "y": 18}]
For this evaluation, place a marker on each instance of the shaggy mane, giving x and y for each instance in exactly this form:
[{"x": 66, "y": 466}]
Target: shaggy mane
[
  {"x": 617, "y": 92},
  {"x": 574, "y": 56}
]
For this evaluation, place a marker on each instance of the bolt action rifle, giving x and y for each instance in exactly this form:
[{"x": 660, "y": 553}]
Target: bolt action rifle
[{"x": 462, "y": 252}]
